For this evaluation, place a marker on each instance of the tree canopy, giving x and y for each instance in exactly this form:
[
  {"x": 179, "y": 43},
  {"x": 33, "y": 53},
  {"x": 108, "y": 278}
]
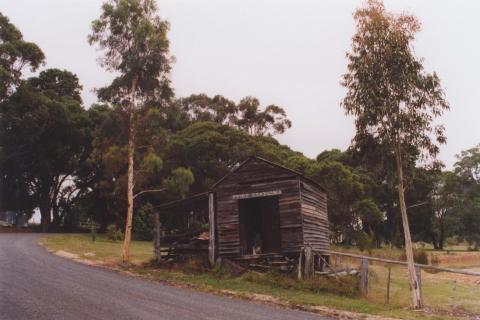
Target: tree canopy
[
  {"x": 16, "y": 54},
  {"x": 43, "y": 137}
]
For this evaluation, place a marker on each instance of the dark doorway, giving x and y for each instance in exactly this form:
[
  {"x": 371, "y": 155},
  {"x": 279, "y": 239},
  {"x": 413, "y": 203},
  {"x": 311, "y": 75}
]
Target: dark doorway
[{"x": 259, "y": 225}]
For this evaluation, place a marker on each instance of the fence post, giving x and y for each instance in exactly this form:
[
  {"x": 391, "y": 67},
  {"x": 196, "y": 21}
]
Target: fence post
[
  {"x": 418, "y": 271},
  {"x": 309, "y": 269},
  {"x": 387, "y": 299},
  {"x": 300, "y": 264},
  {"x": 364, "y": 277},
  {"x": 157, "y": 247},
  {"x": 453, "y": 294},
  {"x": 211, "y": 232}
]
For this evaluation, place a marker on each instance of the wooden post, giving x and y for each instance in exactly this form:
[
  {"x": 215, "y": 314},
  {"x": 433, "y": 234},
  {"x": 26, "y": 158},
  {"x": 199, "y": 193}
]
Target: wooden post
[
  {"x": 300, "y": 264},
  {"x": 453, "y": 304},
  {"x": 309, "y": 267},
  {"x": 387, "y": 300},
  {"x": 418, "y": 272},
  {"x": 211, "y": 225},
  {"x": 364, "y": 277},
  {"x": 156, "y": 246}
]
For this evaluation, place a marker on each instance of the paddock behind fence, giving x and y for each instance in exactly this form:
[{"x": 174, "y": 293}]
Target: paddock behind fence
[{"x": 386, "y": 281}]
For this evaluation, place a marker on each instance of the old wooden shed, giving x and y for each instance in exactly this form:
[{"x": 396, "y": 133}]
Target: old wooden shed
[{"x": 259, "y": 208}]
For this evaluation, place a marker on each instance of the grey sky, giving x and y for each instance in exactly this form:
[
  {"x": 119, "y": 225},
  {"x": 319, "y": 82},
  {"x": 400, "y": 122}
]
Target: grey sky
[{"x": 290, "y": 53}]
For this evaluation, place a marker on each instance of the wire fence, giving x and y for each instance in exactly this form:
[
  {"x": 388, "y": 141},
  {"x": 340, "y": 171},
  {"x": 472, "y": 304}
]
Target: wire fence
[{"x": 452, "y": 291}]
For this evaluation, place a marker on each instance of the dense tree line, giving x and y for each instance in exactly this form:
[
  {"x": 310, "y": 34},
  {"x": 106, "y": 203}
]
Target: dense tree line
[{"x": 72, "y": 161}]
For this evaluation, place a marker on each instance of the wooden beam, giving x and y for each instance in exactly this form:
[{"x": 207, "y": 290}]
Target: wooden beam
[
  {"x": 156, "y": 245},
  {"x": 300, "y": 265},
  {"x": 387, "y": 299},
  {"x": 309, "y": 268},
  {"x": 211, "y": 224},
  {"x": 363, "y": 277},
  {"x": 423, "y": 266}
]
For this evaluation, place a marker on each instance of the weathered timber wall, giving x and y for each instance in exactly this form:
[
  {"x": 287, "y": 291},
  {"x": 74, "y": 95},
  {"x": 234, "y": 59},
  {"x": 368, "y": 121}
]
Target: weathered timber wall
[
  {"x": 314, "y": 215},
  {"x": 257, "y": 176}
]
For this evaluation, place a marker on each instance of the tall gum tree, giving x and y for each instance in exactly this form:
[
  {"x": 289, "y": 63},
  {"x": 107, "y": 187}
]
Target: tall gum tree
[
  {"x": 43, "y": 132},
  {"x": 16, "y": 54},
  {"x": 393, "y": 99},
  {"x": 135, "y": 47}
]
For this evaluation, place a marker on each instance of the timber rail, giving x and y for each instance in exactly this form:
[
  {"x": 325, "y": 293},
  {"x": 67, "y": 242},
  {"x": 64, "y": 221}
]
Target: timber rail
[{"x": 388, "y": 261}]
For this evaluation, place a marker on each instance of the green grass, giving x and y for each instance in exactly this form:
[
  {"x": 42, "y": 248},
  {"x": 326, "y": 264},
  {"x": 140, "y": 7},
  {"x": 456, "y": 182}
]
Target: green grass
[
  {"x": 437, "y": 291},
  {"x": 441, "y": 291},
  {"x": 103, "y": 250}
]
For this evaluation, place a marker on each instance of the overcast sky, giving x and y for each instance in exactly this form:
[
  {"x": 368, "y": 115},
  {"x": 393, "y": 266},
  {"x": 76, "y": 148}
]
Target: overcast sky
[{"x": 289, "y": 53}]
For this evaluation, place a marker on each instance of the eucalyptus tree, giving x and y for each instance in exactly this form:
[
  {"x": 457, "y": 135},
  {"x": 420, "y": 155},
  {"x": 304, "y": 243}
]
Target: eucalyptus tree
[
  {"x": 467, "y": 171},
  {"x": 201, "y": 107},
  {"x": 247, "y": 115},
  {"x": 15, "y": 55},
  {"x": 43, "y": 132},
  {"x": 393, "y": 98},
  {"x": 272, "y": 120},
  {"x": 446, "y": 197},
  {"x": 133, "y": 39}
]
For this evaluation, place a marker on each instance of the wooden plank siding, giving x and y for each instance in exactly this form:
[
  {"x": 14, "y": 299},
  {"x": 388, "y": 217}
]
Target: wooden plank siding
[
  {"x": 301, "y": 218},
  {"x": 256, "y": 177},
  {"x": 315, "y": 216}
]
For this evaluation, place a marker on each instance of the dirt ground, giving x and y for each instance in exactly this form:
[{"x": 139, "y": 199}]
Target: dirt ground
[
  {"x": 454, "y": 276},
  {"x": 458, "y": 259},
  {"x": 464, "y": 260}
]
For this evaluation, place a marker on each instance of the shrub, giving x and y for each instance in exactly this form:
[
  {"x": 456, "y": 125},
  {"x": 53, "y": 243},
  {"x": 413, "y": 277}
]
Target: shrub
[
  {"x": 143, "y": 223},
  {"x": 434, "y": 262},
  {"x": 196, "y": 264},
  {"x": 363, "y": 240},
  {"x": 452, "y": 241},
  {"x": 419, "y": 256},
  {"x": 347, "y": 285},
  {"x": 114, "y": 233}
]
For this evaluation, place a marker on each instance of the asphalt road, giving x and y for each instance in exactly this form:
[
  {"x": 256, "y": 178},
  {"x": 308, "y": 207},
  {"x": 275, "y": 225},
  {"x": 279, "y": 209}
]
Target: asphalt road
[{"x": 35, "y": 284}]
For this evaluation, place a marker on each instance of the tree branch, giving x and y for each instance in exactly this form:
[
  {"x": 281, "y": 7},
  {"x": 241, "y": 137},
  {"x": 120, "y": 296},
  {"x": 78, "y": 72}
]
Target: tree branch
[{"x": 149, "y": 191}]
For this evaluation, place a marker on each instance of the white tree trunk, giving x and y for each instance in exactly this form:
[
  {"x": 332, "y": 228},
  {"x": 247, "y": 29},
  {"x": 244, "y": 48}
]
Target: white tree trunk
[
  {"x": 129, "y": 217},
  {"x": 130, "y": 183},
  {"x": 412, "y": 276}
]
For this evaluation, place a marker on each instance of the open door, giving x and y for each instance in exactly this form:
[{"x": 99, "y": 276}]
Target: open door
[{"x": 259, "y": 225}]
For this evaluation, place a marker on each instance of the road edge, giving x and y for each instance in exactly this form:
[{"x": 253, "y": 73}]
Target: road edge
[{"x": 253, "y": 297}]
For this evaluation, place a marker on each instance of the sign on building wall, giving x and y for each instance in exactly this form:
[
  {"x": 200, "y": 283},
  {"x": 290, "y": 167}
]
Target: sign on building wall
[{"x": 257, "y": 194}]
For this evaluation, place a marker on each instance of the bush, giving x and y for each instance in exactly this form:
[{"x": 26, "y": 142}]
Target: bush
[
  {"x": 452, "y": 241},
  {"x": 143, "y": 223},
  {"x": 419, "y": 256},
  {"x": 196, "y": 264},
  {"x": 347, "y": 285},
  {"x": 114, "y": 233},
  {"x": 434, "y": 262},
  {"x": 363, "y": 240}
]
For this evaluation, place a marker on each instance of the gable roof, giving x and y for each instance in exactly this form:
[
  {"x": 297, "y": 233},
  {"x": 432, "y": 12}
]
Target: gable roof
[
  {"x": 245, "y": 162},
  {"x": 204, "y": 195}
]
